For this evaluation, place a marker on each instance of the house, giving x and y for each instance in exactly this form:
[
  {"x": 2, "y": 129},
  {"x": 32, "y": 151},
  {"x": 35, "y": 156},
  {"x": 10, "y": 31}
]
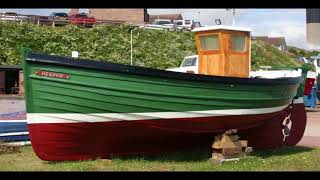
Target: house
[
  {"x": 130, "y": 16},
  {"x": 172, "y": 17},
  {"x": 278, "y": 42},
  {"x": 11, "y": 79},
  {"x": 73, "y": 11}
]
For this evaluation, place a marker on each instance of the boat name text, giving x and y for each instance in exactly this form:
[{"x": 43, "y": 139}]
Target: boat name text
[{"x": 53, "y": 74}]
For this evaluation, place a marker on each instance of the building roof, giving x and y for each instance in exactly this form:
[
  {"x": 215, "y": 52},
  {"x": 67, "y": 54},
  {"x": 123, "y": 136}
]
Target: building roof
[
  {"x": 277, "y": 41},
  {"x": 261, "y": 38},
  {"x": 7, "y": 67},
  {"x": 165, "y": 16},
  {"x": 222, "y": 27}
]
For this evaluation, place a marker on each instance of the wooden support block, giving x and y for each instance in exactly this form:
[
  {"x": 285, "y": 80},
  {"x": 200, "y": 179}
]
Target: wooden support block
[
  {"x": 216, "y": 145},
  {"x": 225, "y": 156},
  {"x": 232, "y": 151},
  {"x": 218, "y": 138},
  {"x": 220, "y": 161},
  {"x": 220, "y": 158},
  {"x": 231, "y": 145},
  {"x": 244, "y": 143},
  {"x": 230, "y": 138},
  {"x": 217, "y": 156},
  {"x": 248, "y": 150}
]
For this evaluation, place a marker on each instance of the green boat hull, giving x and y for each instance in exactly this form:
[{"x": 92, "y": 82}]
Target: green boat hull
[{"x": 80, "y": 109}]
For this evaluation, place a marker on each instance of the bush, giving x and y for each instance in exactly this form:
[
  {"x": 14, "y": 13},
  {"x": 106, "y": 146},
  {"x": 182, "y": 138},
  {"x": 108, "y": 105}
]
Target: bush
[{"x": 151, "y": 48}]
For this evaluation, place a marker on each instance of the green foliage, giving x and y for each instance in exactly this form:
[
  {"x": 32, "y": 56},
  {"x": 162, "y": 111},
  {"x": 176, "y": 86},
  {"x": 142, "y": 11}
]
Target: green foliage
[
  {"x": 301, "y": 52},
  {"x": 263, "y": 54},
  {"x": 313, "y": 53},
  {"x": 151, "y": 48}
]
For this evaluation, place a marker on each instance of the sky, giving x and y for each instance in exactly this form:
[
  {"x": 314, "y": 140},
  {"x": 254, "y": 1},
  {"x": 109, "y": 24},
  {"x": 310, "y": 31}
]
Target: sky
[{"x": 289, "y": 23}]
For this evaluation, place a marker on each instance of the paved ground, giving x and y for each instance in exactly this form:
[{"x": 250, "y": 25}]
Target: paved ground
[
  {"x": 8, "y": 105},
  {"x": 311, "y": 136}
]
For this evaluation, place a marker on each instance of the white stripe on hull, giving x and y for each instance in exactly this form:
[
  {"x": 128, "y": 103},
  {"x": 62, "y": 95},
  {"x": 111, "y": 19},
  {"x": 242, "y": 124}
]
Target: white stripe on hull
[
  {"x": 298, "y": 101},
  {"x": 14, "y": 134},
  {"x": 12, "y": 121},
  {"x": 108, "y": 117}
]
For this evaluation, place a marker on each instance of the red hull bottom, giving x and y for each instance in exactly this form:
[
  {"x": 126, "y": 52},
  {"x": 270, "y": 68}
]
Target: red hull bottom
[{"x": 81, "y": 141}]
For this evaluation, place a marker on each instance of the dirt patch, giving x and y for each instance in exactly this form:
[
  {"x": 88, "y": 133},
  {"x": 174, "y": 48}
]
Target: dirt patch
[{"x": 4, "y": 148}]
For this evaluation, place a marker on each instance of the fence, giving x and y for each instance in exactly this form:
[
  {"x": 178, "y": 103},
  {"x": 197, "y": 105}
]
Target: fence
[{"x": 46, "y": 20}]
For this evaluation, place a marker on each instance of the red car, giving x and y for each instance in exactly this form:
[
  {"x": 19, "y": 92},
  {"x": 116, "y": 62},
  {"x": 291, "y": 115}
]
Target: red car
[{"x": 82, "y": 19}]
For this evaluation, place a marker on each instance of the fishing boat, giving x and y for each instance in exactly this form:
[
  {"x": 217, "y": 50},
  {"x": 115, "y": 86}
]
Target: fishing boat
[
  {"x": 13, "y": 121},
  {"x": 81, "y": 109}
]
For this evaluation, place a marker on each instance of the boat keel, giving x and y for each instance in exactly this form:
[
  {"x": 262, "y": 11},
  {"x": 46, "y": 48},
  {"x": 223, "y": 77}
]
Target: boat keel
[{"x": 271, "y": 134}]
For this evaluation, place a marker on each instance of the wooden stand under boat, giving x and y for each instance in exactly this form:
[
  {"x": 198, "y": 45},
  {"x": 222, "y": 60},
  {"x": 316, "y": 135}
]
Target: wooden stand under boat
[{"x": 228, "y": 147}]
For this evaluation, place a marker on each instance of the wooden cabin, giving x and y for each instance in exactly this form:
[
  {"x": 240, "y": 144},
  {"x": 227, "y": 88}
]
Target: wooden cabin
[{"x": 223, "y": 50}]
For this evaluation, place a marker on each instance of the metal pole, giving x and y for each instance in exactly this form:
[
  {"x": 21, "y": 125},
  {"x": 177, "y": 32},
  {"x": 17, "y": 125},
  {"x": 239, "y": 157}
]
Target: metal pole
[
  {"x": 233, "y": 16},
  {"x": 131, "y": 46}
]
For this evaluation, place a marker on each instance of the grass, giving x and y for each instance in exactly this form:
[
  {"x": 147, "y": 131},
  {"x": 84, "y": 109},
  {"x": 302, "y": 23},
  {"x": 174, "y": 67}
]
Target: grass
[
  {"x": 264, "y": 54},
  {"x": 283, "y": 159}
]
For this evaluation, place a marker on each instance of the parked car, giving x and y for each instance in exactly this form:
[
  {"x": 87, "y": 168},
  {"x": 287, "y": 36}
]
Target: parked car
[
  {"x": 165, "y": 23},
  {"x": 196, "y": 25},
  {"x": 187, "y": 24},
  {"x": 82, "y": 19},
  {"x": 9, "y": 16},
  {"x": 161, "y": 24},
  {"x": 59, "y": 18},
  {"x": 188, "y": 65}
]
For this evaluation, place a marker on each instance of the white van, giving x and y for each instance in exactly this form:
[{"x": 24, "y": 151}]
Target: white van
[{"x": 185, "y": 24}]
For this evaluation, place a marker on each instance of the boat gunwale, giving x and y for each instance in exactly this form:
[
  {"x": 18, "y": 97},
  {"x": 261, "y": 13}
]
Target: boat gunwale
[{"x": 136, "y": 70}]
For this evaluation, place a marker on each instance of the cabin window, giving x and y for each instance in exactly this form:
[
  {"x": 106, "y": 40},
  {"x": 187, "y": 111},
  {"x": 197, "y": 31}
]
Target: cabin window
[
  {"x": 318, "y": 62},
  {"x": 209, "y": 42},
  {"x": 238, "y": 43},
  {"x": 190, "y": 62}
]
